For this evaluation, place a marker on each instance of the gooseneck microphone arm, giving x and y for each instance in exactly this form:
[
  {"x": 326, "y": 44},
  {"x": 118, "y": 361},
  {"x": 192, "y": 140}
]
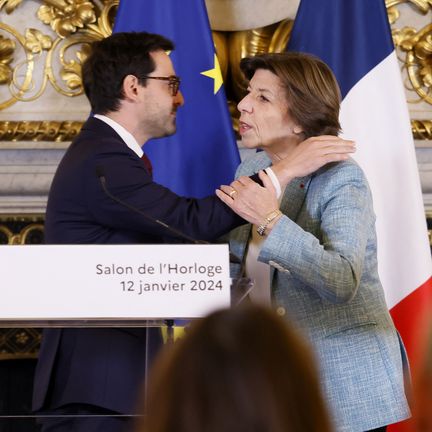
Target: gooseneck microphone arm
[{"x": 100, "y": 174}]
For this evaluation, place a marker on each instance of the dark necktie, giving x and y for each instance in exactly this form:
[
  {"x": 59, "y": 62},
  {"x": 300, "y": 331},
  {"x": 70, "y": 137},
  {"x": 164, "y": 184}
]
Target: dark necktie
[{"x": 147, "y": 163}]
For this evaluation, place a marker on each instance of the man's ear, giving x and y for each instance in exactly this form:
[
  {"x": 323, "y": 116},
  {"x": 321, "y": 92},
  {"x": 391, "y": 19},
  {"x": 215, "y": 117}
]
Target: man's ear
[{"x": 130, "y": 87}]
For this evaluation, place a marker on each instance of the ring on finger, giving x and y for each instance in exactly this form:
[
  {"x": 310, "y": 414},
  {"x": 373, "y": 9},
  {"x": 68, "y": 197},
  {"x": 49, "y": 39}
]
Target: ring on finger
[{"x": 232, "y": 193}]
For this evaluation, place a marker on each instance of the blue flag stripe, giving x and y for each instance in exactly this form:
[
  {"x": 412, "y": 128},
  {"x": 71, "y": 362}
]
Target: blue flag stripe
[{"x": 325, "y": 29}]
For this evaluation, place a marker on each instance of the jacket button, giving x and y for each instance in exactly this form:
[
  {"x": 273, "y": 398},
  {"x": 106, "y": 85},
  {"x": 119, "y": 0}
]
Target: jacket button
[{"x": 280, "y": 311}]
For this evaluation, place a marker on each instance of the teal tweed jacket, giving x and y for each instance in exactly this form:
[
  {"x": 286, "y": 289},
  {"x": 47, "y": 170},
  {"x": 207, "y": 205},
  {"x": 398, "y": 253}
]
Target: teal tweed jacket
[{"x": 324, "y": 279}]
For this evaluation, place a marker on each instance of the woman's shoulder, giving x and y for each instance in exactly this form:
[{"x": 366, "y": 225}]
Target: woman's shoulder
[{"x": 343, "y": 171}]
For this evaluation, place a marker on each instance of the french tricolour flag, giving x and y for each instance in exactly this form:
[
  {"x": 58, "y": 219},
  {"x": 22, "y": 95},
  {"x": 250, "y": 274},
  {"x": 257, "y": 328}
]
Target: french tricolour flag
[{"x": 353, "y": 37}]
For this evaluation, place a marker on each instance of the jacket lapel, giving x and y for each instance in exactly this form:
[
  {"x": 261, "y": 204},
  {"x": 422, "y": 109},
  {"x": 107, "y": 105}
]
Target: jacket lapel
[
  {"x": 294, "y": 197},
  {"x": 292, "y": 202}
]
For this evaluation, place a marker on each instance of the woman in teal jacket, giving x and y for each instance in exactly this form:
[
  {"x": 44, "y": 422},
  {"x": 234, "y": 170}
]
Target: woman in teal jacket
[{"x": 313, "y": 250}]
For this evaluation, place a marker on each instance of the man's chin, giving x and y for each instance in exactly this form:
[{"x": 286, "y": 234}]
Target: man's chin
[{"x": 168, "y": 133}]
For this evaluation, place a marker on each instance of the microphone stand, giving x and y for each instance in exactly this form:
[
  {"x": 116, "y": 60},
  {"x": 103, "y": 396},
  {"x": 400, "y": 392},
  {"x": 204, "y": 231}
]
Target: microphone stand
[{"x": 100, "y": 174}]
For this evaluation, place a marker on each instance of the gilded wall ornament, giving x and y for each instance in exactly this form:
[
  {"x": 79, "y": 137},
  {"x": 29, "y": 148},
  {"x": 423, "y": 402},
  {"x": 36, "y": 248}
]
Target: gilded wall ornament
[
  {"x": 57, "y": 131},
  {"x": 417, "y": 44},
  {"x": 421, "y": 129},
  {"x": 7, "y": 47},
  {"x": 66, "y": 16},
  {"x": 9, "y": 5},
  {"x": 414, "y": 49},
  {"x": 422, "y": 5},
  {"x": 36, "y": 42},
  {"x": 51, "y": 59}
]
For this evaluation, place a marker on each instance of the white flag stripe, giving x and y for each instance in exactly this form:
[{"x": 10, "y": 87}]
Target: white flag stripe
[{"x": 375, "y": 115}]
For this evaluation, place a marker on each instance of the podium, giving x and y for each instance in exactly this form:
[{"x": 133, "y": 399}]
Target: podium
[{"x": 97, "y": 286}]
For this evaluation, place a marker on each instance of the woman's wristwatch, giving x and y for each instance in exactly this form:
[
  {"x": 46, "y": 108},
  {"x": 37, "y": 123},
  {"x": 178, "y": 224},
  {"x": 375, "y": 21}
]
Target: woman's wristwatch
[{"x": 268, "y": 219}]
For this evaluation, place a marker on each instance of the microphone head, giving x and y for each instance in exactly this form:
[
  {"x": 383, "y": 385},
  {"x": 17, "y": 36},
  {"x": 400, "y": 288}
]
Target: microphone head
[{"x": 99, "y": 171}]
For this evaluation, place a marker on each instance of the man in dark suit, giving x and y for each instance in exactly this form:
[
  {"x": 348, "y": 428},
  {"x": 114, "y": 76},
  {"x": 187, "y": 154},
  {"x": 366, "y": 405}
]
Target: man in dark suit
[
  {"x": 134, "y": 93},
  {"x": 100, "y": 370}
]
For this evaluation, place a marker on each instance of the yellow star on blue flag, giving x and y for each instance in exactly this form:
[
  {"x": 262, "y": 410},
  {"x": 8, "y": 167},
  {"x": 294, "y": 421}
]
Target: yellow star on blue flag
[{"x": 216, "y": 74}]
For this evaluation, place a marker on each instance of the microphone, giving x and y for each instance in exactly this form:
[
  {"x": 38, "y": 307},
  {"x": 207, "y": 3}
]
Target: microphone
[{"x": 101, "y": 176}]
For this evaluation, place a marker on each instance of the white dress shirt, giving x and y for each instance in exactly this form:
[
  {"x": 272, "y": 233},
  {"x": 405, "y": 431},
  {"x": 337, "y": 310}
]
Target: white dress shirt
[{"x": 125, "y": 135}]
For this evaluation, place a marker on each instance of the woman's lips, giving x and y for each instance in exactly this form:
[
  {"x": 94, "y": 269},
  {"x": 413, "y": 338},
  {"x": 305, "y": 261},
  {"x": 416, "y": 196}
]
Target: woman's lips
[{"x": 244, "y": 127}]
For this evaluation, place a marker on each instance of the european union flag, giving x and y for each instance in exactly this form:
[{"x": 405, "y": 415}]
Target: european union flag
[{"x": 203, "y": 153}]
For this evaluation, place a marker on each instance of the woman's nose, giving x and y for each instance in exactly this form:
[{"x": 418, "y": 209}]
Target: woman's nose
[{"x": 244, "y": 104}]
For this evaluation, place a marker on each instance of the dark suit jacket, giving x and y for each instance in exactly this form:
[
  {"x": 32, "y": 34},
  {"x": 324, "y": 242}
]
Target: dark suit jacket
[{"x": 105, "y": 367}]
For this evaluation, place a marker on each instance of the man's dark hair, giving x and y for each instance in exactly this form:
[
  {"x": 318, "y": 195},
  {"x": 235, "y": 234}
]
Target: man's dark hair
[{"x": 112, "y": 59}]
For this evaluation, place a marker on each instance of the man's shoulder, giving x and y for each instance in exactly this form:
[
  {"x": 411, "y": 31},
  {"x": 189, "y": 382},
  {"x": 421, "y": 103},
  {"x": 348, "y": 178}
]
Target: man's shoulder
[
  {"x": 96, "y": 136},
  {"x": 95, "y": 128}
]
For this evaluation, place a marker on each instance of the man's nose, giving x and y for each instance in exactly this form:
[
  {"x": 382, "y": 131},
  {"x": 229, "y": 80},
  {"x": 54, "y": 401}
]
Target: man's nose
[{"x": 179, "y": 99}]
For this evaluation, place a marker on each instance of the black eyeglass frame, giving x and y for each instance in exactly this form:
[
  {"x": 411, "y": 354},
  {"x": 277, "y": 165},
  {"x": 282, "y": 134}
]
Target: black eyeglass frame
[{"x": 173, "y": 82}]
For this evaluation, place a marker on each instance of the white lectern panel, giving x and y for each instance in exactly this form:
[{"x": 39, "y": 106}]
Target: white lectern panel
[{"x": 63, "y": 282}]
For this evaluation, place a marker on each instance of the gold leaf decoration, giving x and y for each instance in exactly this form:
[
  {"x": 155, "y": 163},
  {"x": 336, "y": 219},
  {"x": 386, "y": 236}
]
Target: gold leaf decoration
[
  {"x": 71, "y": 74},
  {"x": 422, "y": 5},
  {"x": 402, "y": 38},
  {"x": 11, "y": 5},
  {"x": 393, "y": 14},
  {"x": 84, "y": 52},
  {"x": 66, "y": 16},
  {"x": 36, "y": 41},
  {"x": 5, "y": 74},
  {"x": 58, "y": 131},
  {"x": 423, "y": 51},
  {"x": 422, "y": 129},
  {"x": 418, "y": 47},
  {"x": 7, "y": 48}
]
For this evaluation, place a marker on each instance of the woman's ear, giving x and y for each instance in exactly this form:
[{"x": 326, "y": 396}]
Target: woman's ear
[{"x": 297, "y": 129}]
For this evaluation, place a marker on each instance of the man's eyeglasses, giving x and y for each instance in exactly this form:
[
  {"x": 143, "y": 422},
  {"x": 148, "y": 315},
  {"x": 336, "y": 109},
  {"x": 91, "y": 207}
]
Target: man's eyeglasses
[{"x": 173, "y": 82}]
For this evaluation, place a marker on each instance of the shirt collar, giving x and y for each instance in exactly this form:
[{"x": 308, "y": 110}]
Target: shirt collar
[{"x": 125, "y": 135}]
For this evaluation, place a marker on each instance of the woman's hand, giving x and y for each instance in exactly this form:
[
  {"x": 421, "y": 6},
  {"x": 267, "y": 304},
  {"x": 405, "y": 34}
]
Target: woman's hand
[{"x": 250, "y": 200}]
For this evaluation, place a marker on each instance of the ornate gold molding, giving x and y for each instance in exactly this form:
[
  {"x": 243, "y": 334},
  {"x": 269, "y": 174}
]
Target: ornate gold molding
[
  {"x": 65, "y": 131},
  {"x": 21, "y": 229},
  {"x": 19, "y": 343},
  {"x": 7, "y": 48},
  {"x": 23, "y": 237},
  {"x": 75, "y": 23},
  {"x": 422, "y": 129},
  {"x": 58, "y": 131},
  {"x": 414, "y": 47}
]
